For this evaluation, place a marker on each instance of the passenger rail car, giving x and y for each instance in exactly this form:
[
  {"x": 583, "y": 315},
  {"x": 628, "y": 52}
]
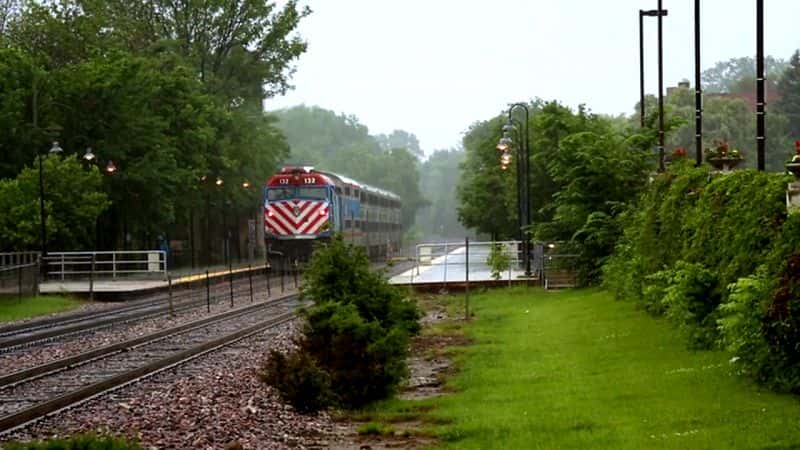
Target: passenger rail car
[{"x": 303, "y": 205}]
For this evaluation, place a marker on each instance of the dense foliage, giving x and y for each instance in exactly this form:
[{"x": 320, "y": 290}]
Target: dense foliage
[
  {"x": 74, "y": 202},
  {"x": 171, "y": 99},
  {"x": 584, "y": 170},
  {"x": 717, "y": 254},
  {"x": 355, "y": 341}
]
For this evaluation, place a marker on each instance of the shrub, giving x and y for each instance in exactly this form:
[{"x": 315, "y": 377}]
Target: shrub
[
  {"x": 498, "y": 260},
  {"x": 355, "y": 337},
  {"x": 690, "y": 299},
  {"x": 78, "y": 442},
  {"x": 300, "y": 381},
  {"x": 740, "y": 325},
  {"x": 340, "y": 272},
  {"x": 694, "y": 233},
  {"x": 366, "y": 361}
]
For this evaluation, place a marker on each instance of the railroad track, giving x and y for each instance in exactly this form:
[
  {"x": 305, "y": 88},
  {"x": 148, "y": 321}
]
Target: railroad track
[
  {"x": 31, "y": 394},
  {"x": 22, "y": 335}
]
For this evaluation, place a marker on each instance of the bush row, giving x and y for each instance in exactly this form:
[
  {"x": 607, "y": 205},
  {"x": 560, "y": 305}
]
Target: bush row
[
  {"x": 355, "y": 340},
  {"x": 717, "y": 254}
]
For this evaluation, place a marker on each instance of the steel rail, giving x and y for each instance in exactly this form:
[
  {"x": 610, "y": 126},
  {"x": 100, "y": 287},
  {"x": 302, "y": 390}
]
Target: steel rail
[
  {"x": 38, "y": 324},
  {"x": 31, "y": 373},
  {"x": 79, "y": 326},
  {"x": 25, "y": 416}
]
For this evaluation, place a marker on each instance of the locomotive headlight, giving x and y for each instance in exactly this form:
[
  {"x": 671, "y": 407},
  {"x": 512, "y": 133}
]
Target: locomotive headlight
[
  {"x": 323, "y": 212},
  {"x": 271, "y": 213}
]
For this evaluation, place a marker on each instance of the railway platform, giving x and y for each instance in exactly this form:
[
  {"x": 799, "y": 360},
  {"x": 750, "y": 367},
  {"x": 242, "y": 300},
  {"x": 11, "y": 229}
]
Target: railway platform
[
  {"x": 453, "y": 265},
  {"x": 121, "y": 289}
]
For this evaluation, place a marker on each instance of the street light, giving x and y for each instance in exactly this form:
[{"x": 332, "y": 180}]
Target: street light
[
  {"x": 642, "y": 14},
  {"x": 55, "y": 148},
  {"x": 523, "y": 173}
]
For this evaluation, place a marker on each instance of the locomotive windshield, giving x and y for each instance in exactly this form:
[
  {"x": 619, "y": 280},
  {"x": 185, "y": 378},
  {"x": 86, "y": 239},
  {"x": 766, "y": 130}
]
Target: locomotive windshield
[
  {"x": 312, "y": 192},
  {"x": 281, "y": 193},
  {"x": 285, "y": 193}
]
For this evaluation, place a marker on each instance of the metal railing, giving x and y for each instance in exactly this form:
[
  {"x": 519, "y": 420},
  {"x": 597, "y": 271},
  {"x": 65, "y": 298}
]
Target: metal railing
[
  {"x": 18, "y": 258},
  {"x": 471, "y": 262},
  {"x": 560, "y": 270},
  {"x": 116, "y": 264}
]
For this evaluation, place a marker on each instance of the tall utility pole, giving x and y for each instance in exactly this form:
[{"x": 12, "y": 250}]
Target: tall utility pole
[
  {"x": 760, "y": 101},
  {"x": 698, "y": 91},
  {"x": 660, "y": 90}
]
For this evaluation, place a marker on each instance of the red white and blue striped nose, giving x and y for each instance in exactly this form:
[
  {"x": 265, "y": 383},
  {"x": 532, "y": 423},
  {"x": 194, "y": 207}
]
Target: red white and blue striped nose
[{"x": 291, "y": 217}]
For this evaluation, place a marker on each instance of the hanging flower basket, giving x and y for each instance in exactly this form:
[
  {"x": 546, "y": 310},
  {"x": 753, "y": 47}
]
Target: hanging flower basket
[{"x": 724, "y": 163}]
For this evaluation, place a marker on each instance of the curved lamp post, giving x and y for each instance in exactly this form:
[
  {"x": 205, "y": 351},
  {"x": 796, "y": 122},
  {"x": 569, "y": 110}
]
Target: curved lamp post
[{"x": 523, "y": 174}]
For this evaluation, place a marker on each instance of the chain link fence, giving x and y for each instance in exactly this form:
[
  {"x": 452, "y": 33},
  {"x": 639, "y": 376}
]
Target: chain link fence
[{"x": 19, "y": 281}]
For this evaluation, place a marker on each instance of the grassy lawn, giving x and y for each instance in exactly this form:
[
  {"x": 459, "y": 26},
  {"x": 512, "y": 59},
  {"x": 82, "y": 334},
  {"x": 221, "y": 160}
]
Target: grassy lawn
[
  {"x": 15, "y": 309},
  {"x": 577, "y": 369}
]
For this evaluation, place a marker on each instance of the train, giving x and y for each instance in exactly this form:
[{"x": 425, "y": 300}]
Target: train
[{"x": 304, "y": 206}]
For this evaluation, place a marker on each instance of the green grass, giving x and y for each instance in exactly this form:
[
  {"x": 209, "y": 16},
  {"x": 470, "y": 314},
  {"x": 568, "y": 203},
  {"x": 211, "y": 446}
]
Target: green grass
[
  {"x": 15, "y": 309},
  {"x": 577, "y": 369}
]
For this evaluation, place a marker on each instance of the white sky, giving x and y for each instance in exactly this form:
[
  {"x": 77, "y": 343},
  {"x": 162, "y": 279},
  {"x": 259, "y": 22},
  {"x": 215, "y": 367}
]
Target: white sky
[{"x": 433, "y": 67}]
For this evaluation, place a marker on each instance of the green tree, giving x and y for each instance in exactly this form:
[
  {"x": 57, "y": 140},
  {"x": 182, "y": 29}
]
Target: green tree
[
  {"x": 789, "y": 89},
  {"x": 73, "y": 202},
  {"x": 439, "y": 176},
  {"x": 485, "y": 193},
  {"x": 738, "y": 74},
  {"x": 400, "y": 139}
]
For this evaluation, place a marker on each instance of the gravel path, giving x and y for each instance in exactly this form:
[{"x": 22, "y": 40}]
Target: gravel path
[{"x": 216, "y": 401}]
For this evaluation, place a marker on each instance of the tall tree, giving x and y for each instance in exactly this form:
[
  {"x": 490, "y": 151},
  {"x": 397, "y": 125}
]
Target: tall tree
[
  {"x": 789, "y": 89},
  {"x": 74, "y": 201},
  {"x": 727, "y": 76},
  {"x": 439, "y": 176},
  {"x": 400, "y": 139},
  {"x": 486, "y": 195}
]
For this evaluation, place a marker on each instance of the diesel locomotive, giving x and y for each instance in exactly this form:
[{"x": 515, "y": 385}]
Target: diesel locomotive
[{"x": 303, "y": 206}]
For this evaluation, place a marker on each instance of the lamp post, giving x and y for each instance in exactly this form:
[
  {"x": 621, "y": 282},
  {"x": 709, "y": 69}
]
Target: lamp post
[
  {"x": 760, "y": 94},
  {"x": 642, "y": 14},
  {"x": 55, "y": 148},
  {"x": 523, "y": 175},
  {"x": 698, "y": 91}
]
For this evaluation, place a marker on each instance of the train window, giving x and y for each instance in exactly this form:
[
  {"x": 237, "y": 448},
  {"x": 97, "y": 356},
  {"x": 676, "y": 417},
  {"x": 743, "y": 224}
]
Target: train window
[
  {"x": 347, "y": 191},
  {"x": 280, "y": 193},
  {"x": 311, "y": 192},
  {"x": 348, "y": 223}
]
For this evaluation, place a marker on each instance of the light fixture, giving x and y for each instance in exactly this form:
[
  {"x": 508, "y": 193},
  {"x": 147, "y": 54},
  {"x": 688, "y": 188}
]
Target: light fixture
[
  {"x": 504, "y": 144},
  {"x": 88, "y": 155},
  {"x": 110, "y": 167},
  {"x": 56, "y": 148},
  {"x": 219, "y": 181},
  {"x": 246, "y": 184}
]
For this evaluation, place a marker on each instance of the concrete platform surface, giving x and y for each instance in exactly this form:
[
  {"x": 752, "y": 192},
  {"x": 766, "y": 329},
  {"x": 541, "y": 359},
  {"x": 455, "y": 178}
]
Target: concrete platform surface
[
  {"x": 452, "y": 268},
  {"x": 123, "y": 285}
]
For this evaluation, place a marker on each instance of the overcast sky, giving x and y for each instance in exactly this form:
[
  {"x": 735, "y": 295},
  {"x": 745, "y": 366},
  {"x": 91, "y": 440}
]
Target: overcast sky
[{"x": 433, "y": 67}]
